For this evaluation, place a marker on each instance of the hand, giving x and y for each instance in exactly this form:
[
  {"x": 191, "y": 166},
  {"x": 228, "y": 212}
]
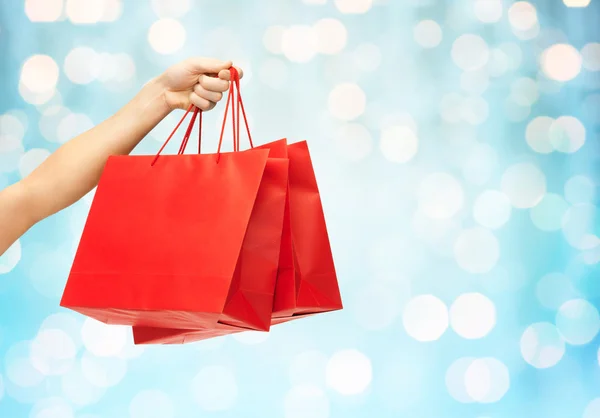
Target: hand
[{"x": 197, "y": 81}]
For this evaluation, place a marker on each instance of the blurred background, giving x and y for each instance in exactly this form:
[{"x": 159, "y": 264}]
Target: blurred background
[{"x": 456, "y": 144}]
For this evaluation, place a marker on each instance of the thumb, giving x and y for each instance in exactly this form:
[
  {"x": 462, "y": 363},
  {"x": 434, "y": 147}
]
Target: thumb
[{"x": 207, "y": 65}]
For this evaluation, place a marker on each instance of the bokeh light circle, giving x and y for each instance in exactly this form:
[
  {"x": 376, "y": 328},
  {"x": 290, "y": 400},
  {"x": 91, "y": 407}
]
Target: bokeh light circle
[
  {"x": 10, "y": 258},
  {"x": 455, "y": 379},
  {"x": 567, "y": 134},
  {"x": 31, "y": 160},
  {"x": 492, "y": 209},
  {"x": 470, "y": 52},
  {"x": 331, "y": 35},
  {"x": 578, "y": 321},
  {"x": 579, "y": 226},
  {"x": 52, "y": 407},
  {"x": 542, "y": 346},
  {"x": 487, "y": 380},
  {"x": 52, "y": 352},
  {"x": 561, "y": 62},
  {"x": 580, "y": 189},
  {"x": 399, "y": 144},
  {"x": 476, "y": 250},
  {"x": 425, "y": 318},
  {"x": 353, "y": 6},
  {"x": 39, "y": 74},
  {"x": 537, "y": 134},
  {"x": 524, "y": 184},
  {"x": 590, "y": 54},
  {"x": 349, "y": 372},
  {"x": 306, "y": 401},
  {"x": 548, "y": 214},
  {"x": 488, "y": 11},
  {"x": 81, "y": 65},
  {"x": 522, "y": 16},
  {"x": 472, "y": 315},
  {"x": 43, "y": 10},
  {"x": 428, "y": 33},
  {"x": 347, "y": 101},
  {"x": 299, "y": 43},
  {"x": 440, "y": 196},
  {"x": 103, "y": 340},
  {"x": 592, "y": 409},
  {"x": 166, "y": 36},
  {"x": 103, "y": 372},
  {"x": 554, "y": 289}
]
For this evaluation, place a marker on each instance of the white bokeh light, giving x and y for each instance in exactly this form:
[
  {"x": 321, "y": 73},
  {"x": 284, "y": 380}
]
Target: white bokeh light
[
  {"x": 347, "y": 101},
  {"x": 548, "y": 214},
  {"x": 472, "y": 315},
  {"x": 52, "y": 407},
  {"x": 78, "y": 389},
  {"x": 580, "y": 189},
  {"x": 541, "y": 345},
  {"x": 561, "y": 62},
  {"x": 474, "y": 110},
  {"x": 306, "y": 401},
  {"x": 488, "y": 11},
  {"x": 113, "y": 9},
  {"x": 151, "y": 403},
  {"x": 72, "y": 125},
  {"x": 67, "y": 322},
  {"x": 13, "y": 124},
  {"x": 399, "y": 144},
  {"x": 492, "y": 209},
  {"x": 590, "y": 54},
  {"x": 367, "y": 57},
  {"x": 44, "y": 10},
  {"x": 103, "y": 340},
  {"x": 331, "y": 35},
  {"x": 39, "y": 74},
  {"x": 537, "y": 134},
  {"x": 486, "y": 380},
  {"x": 300, "y": 43},
  {"x": 349, "y": 372},
  {"x": 103, "y": 372},
  {"x": 215, "y": 388},
  {"x": 10, "y": 258},
  {"x": 522, "y": 16},
  {"x": 524, "y": 184},
  {"x": 554, "y": 289},
  {"x": 309, "y": 368},
  {"x": 524, "y": 91},
  {"x": 81, "y": 66},
  {"x": 166, "y": 36},
  {"x": 578, "y": 321},
  {"x": 455, "y": 379},
  {"x": 577, "y": 3},
  {"x": 353, "y": 6},
  {"x": 567, "y": 134},
  {"x": 85, "y": 12},
  {"x": 470, "y": 52},
  {"x": 579, "y": 224},
  {"x": 428, "y": 33},
  {"x": 353, "y": 141},
  {"x": 18, "y": 367},
  {"x": 440, "y": 196},
  {"x": 171, "y": 8},
  {"x": 476, "y": 250},
  {"x": 592, "y": 409},
  {"x": 273, "y": 38},
  {"x": 425, "y": 318},
  {"x": 52, "y": 352},
  {"x": 31, "y": 160}
]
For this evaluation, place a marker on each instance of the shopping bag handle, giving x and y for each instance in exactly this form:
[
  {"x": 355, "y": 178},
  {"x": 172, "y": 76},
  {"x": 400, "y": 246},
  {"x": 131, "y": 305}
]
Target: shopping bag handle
[{"x": 234, "y": 84}]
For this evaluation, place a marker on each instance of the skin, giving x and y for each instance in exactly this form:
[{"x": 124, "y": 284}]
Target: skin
[{"x": 75, "y": 168}]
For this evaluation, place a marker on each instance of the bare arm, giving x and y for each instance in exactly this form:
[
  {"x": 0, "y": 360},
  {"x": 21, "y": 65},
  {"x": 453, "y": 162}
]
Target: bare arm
[{"x": 74, "y": 169}]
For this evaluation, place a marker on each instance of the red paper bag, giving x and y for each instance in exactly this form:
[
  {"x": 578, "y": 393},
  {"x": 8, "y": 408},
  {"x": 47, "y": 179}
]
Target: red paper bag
[
  {"x": 162, "y": 246},
  {"x": 306, "y": 280}
]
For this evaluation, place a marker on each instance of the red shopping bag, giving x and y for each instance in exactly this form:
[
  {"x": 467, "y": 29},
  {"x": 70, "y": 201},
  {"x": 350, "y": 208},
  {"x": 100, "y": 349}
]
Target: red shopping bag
[
  {"x": 306, "y": 279},
  {"x": 162, "y": 245}
]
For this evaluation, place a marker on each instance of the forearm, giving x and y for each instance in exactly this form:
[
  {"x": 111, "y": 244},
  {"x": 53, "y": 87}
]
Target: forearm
[{"x": 75, "y": 168}]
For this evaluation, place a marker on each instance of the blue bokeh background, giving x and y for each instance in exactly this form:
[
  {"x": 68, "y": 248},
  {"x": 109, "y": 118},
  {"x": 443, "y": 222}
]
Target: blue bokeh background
[{"x": 456, "y": 146}]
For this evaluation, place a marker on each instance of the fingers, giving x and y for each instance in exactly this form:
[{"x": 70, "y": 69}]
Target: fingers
[
  {"x": 226, "y": 74},
  {"x": 201, "y": 103},
  {"x": 201, "y": 65},
  {"x": 212, "y": 96},
  {"x": 213, "y": 83}
]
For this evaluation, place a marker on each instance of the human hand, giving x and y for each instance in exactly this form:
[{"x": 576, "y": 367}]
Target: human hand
[{"x": 197, "y": 81}]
